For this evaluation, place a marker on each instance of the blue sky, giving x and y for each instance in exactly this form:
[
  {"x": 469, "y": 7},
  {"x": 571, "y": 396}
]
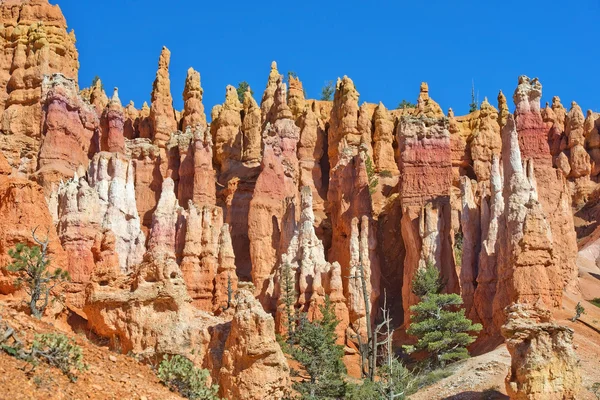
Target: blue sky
[{"x": 386, "y": 47}]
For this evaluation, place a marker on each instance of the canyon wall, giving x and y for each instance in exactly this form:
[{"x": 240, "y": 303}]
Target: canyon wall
[{"x": 156, "y": 209}]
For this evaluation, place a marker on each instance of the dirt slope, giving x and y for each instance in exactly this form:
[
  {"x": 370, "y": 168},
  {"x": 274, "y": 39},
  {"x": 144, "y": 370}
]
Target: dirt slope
[{"x": 109, "y": 375}]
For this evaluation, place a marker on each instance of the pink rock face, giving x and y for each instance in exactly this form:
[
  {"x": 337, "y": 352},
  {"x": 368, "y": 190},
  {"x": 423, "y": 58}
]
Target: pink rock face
[
  {"x": 253, "y": 365},
  {"x": 35, "y": 43},
  {"x": 425, "y": 160},
  {"x": 162, "y": 114},
  {"x": 70, "y": 129},
  {"x": 426, "y": 178}
]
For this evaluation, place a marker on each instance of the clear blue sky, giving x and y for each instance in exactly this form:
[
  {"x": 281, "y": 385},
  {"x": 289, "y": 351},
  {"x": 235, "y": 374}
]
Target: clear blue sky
[{"x": 386, "y": 47}]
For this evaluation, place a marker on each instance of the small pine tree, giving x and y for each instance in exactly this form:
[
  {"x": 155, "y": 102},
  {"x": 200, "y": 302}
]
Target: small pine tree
[
  {"x": 241, "y": 90},
  {"x": 441, "y": 331},
  {"x": 373, "y": 181},
  {"x": 406, "y": 104},
  {"x": 292, "y": 74},
  {"x": 315, "y": 349},
  {"x": 288, "y": 288},
  {"x": 32, "y": 264},
  {"x": 579, "y": 309},
  {"x": 95, "y": 80},
  {"x": 327, "y": 91},
  {"x": 473, "y": 106}
]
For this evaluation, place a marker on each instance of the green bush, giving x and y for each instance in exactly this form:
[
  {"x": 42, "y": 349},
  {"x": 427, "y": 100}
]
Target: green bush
[
  {"x": 385, "y": 174},
  {"x": 596, "y": 301},
  {"x": 60, "y": 352},
  {"x": 180, "y": 375}
]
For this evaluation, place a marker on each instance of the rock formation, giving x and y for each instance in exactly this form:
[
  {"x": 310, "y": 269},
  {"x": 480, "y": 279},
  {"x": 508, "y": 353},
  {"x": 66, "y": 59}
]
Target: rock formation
[
  {"x": 113, "y": 135},
  {"x": 272, "y": 213},
  {"x": 253, "y": 365},
  {"x": 426, "y": 177},
  {"x": 354, "y": 238},
  {"x": 21, "y": 211},
  {"x": 69, "y": 131},
  {"x": 251, "y": 128},
  {"x": 486, "y": 141},
  {"x": 295, "y": 96},
  {"x": 193, "y": 109},
  {"x": 315, "y": 277},
  {"x": 226, "y": 132},
  {"x": 543, "y": 365},
  {"x": 35, "y": 43},
  {"x": 383, "y": 136},
  {"x": 343, "y": 130},
  {"x": 553, "y": 191},
  {"x": 268, "y": 99},
  {"x": 310, "y": 153},
  {"x": 426, "y": 106},
  {"x": 527, "y": 266},
  {"x": 113, "y": 179},
  {"x": 162, "y": 114}
]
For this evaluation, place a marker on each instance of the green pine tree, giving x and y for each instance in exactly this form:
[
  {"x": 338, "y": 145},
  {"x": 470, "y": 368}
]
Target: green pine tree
[
  {"x": 442, "y": 329},
  {"x": 241, "y": 90},
  {"x": 327, "y": 91},
  {"x": 288, "y": 289},
  {"x": 315, "y": 349},
  {"x": 33, "y": 268}
]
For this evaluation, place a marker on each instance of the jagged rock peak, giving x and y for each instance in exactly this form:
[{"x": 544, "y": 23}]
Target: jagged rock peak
[
  {"x": 282, "y": 111},
  {"x": 232, "y": 101},
  {"x": 268, "y": 98},
  {"x": 426, "y": 106},
  {"x": 115, "y": 101},
  {"x": 193, "y": 109},
  {"x": 502, "y": 109},
  {"x": 527, "y": 95},
  {"x": 162, "y": 114}
]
